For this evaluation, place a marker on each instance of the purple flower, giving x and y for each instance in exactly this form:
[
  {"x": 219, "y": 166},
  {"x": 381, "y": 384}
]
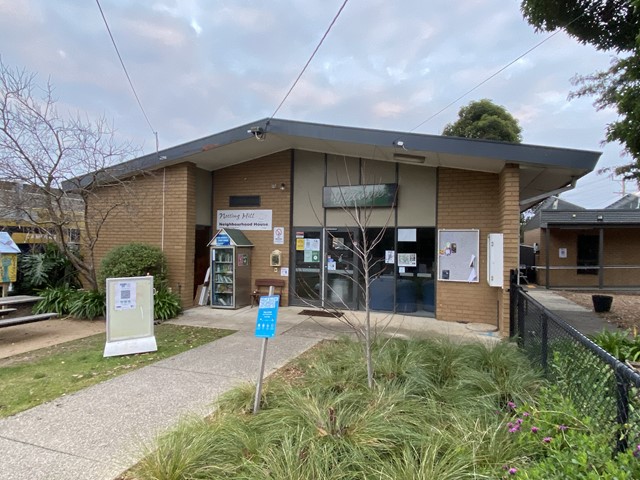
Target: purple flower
[
  {"x": 513, "y": 471},
  {"x": 514, "y": 429},
  {"x": 547, "y": 440},
  {"x": 509, "y": 424},
  {"x": 511, "y": 405},
  {"x": 534, "y": 429},
  {"x": 525, "y": 414},
  {"x": 563, "y": 428},
  {"x": 636, "y": 453},
  {"x": 519, "y": 421}
]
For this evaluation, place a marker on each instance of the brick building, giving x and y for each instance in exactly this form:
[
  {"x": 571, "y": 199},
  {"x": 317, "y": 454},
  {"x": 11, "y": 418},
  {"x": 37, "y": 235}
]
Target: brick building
[
  {"x": 431, "y": 201},
  {"x": 586, "y": 248}
]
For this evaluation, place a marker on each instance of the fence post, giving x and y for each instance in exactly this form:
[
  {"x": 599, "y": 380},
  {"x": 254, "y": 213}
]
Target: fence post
[
  {"x": 545, "y": 343},
  {"x": 521, "y": 320},
  {"x": 622, "y": 417},
  {"x": 513, "y": 302}
]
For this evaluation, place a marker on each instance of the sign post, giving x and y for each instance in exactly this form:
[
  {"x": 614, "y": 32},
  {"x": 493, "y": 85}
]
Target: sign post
[{"x": 265, "y": 329}]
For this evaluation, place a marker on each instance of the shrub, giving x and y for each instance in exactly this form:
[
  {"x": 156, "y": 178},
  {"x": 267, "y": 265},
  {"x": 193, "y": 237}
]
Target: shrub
[
  {"x": 55, "y": 299},
  {"x": 88, "y": 304},
  {"x": 135, "y": 260},
  {"x": 560, "y": 443},
  {"x": 166, "y": 305},
  {"x": 45, "y": 269},
  {"x": 621, "y": 344}
]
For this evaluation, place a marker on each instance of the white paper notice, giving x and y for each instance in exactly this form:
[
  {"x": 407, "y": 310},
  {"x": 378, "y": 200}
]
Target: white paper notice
[
  {"x": 312, "y": 244},
  {"x": 406, "y": 234},
  {"x": 472, "y": 275},
  {"x": 389, "y": 256},
  {"x": 125, "y": 296}
]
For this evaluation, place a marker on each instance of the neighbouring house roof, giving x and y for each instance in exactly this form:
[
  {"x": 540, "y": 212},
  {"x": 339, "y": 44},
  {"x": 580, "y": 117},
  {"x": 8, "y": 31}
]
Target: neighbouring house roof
[
  {"x": 551, "y": 203},
  {"x": 630, "y": 201},
  {"x": 590, "y": 218},
  {"x": 543, "y": 170},
  {"x": 560, "y": 213}
]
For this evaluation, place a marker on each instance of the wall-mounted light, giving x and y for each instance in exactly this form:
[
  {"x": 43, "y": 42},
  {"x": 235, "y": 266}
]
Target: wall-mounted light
[
  {"x": 282, "y": 186},
  {"x": 258, "y": 132},
  {"x": 600, "y": 218}
]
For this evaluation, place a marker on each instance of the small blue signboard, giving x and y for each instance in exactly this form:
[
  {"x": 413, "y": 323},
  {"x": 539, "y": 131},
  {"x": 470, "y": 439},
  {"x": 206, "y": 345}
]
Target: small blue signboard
[
  {"x": 223, "y": 239},
  {"x": 267, "y": 316}
]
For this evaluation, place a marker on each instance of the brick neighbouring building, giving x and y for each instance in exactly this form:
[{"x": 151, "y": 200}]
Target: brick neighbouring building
[
  {"x": 292, "y": 169},
  {"x": 586, "y": 248}
]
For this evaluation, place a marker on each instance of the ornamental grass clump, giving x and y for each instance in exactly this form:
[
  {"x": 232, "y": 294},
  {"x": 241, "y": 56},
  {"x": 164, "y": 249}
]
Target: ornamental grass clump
[{"x": 424, "y": 418}]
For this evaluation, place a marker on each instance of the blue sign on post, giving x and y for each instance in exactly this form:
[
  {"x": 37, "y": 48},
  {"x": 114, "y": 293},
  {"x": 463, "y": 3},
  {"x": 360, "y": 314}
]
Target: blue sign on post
[{"x": 267, "y": 316}]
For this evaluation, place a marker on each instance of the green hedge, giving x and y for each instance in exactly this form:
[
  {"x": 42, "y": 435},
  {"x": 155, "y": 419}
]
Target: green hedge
[{"x": 135, "y": 260}]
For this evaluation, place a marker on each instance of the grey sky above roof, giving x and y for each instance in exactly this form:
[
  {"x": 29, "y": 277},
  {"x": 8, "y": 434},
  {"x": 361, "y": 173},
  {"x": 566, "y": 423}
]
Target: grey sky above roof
[{"x": 202, "y": 66}]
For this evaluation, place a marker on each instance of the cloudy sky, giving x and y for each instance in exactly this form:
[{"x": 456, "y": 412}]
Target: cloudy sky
[{"x": 200, "y": 67}]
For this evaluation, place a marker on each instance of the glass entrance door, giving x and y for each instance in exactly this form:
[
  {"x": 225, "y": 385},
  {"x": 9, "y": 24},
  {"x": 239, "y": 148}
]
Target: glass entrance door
[
  {"x": 307, "y": 271},
  {"x": 341, "y": 269}
]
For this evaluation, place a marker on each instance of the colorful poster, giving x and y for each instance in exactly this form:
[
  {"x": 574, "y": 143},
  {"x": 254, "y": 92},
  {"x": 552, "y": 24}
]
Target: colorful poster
[
  {"x": 407, "y": 260},
  {"x": 299, "y": 244}
]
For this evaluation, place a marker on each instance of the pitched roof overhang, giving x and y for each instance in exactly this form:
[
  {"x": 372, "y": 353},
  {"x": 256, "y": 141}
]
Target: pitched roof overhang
[
  {"x": 543, "y": 170},
  {"x": 590, "y": 218}
]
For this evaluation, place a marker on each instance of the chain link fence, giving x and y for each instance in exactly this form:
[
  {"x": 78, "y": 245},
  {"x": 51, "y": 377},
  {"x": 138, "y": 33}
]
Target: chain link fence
[{"x": 600, "y": 386}]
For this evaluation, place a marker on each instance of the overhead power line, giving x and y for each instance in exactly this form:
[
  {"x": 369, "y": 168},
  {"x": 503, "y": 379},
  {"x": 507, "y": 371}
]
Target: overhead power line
[
  {"x": 310, "y": 58},
  {"x": 495, "y": 74},
  {"x": 135, "y": 94}
]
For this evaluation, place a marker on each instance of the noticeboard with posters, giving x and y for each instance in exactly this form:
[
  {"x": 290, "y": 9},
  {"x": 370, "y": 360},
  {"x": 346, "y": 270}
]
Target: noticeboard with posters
[{"x": 458, "y": 252}]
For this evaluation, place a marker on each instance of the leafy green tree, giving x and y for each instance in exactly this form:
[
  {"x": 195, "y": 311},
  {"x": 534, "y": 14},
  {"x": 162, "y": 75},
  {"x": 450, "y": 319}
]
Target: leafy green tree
[
  {"x": 486, "y": 120},
  {"x": 607, "y": 25}
]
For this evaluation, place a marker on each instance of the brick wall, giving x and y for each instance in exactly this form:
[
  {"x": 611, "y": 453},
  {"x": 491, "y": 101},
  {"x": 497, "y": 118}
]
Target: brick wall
[
  {"x": 510, "y": 227},
  {"x": 257, "y": 177},
  {"x": 141, "y": 220},
  {"x": 620, "y": 249},
  {"x": 488, "y": 202}
]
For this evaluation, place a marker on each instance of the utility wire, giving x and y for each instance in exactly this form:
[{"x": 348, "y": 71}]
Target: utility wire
[
  {"x": 308, "y": 61},
  {"x": 495, "y": 73},
  {"x": 106, "y": 24}
]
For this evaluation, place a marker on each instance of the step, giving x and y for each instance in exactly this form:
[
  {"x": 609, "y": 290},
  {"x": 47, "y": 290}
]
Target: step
[
  {"x": 4, "y": 311},
  {"x": 9, "y": 322}
]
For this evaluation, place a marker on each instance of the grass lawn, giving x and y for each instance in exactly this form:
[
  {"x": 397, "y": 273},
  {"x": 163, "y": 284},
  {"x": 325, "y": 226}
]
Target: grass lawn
[{"x": 37, "y": 377}]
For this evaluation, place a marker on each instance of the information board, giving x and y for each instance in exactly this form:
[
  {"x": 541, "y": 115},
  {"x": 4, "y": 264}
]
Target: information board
[
  {"x": 129, "y": 316},
  {"x": 458, "y": 255},
  {"x": 267, "y": 316}
]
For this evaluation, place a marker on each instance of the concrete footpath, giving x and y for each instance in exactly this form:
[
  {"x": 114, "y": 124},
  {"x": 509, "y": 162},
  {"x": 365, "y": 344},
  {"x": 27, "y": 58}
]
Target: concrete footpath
[
  {"x": 582, "y": 319},
  {"x": 99, "y": 432}
]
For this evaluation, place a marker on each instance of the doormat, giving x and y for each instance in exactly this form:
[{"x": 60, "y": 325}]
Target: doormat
[{"x": 320, "y": 313}]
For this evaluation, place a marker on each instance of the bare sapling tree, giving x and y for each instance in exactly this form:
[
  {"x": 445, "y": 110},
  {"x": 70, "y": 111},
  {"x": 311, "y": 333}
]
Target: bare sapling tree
[
  {"x": 359, "y": 204},
  {"x": 56, "y": 163}
]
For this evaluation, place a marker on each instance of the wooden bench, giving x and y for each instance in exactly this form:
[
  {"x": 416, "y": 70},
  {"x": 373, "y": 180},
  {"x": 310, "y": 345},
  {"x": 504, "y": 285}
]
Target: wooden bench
[
  {"x": 10, "y": 322},
  {"x": 265, "y": 283}
]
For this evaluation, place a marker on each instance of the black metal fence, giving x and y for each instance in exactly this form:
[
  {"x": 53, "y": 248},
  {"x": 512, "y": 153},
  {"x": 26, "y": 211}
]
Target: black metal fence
[{"x": 600, "y": 386}]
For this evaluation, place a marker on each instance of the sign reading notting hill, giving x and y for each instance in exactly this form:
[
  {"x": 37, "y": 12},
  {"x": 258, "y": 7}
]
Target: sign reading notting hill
[
  {"x": 245, "y": 219},
  {"x": 341, "y": 196}
]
